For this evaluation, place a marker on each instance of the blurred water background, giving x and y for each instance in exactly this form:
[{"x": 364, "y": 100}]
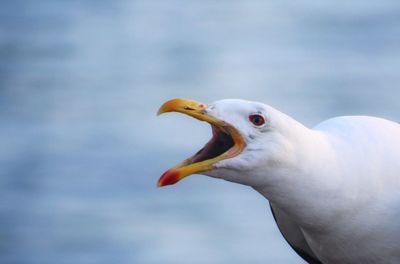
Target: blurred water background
[{"x": 81, "y": 147}]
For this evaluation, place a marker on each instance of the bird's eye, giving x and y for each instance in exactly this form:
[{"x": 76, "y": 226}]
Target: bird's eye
[{"x": 257, "y": 120}]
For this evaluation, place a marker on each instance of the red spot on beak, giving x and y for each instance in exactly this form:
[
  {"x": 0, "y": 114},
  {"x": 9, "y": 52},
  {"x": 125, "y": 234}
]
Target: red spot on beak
[{"x": 168, "y": 178}]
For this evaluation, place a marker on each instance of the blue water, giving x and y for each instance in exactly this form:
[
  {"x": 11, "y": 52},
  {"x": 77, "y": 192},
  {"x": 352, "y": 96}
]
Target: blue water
[{"x": 81, "y": 147}]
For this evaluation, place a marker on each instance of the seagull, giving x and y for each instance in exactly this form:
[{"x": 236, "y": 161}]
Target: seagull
[{"x": 334, "y": 190}]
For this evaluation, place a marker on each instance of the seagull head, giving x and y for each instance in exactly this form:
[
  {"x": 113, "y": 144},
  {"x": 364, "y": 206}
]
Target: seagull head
[{"x": 247, "y": 138}]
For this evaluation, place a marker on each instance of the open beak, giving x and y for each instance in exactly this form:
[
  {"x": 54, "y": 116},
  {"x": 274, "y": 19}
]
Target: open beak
[{"x": 225, "y": 143}]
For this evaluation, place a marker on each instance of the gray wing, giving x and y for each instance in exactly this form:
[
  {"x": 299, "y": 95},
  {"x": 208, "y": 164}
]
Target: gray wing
[{"x": 293, "y": 235}]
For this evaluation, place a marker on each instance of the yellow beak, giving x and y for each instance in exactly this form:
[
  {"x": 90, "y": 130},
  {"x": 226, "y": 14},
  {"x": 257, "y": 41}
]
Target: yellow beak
[{"x": 188, "y": 166}]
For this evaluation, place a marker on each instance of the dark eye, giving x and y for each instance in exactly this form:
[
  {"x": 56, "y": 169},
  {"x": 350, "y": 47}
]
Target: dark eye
[{"x": 257, "y": 120}]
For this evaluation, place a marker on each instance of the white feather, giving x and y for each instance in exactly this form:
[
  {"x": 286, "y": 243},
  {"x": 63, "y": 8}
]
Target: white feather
[{"x": 339, "y": 182}]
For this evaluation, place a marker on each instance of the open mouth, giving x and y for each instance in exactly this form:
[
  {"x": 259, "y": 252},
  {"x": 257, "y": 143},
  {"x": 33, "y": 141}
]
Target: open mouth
[
  {"x": 220, "y": 143},
  {"x": 226, "y": 142}
]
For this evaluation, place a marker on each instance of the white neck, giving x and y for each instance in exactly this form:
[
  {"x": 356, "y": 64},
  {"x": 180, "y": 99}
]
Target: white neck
[{"x": 293, "y": 183}]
